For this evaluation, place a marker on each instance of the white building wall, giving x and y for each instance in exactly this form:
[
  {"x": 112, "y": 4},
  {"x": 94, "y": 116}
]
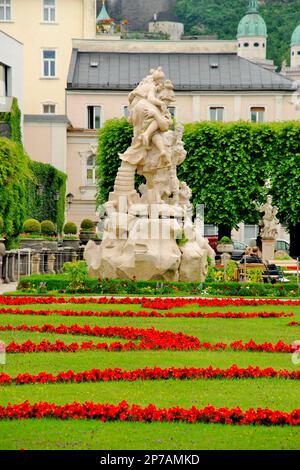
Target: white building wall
[{"x": 11, "y": 55}]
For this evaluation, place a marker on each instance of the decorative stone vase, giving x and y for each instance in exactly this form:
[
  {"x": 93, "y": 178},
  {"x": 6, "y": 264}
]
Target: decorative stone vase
[
  {"x": 85, "y": 237},
  {"x": 2, "y": 246},
  {"x": 74, "y": 244},
  {"x": 225, "y": 247},
  {"x": 32, "y": 243}
]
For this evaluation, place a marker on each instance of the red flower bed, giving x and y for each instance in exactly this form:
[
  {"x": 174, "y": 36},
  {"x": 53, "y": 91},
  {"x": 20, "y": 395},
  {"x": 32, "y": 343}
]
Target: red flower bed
[
  {"x": 154, "y": 313},
  {"x": 148, "y": 373},
  {"x": 294, "y": 323},
  {"x": 149, "y": 339},
  {"x": 158, "y": 303},
  {"x": 124, "y": 412}
]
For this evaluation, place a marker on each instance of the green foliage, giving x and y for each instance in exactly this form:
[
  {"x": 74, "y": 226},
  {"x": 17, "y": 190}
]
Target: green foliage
[
  {"x": 77, "y": 274},
  {"x": 285, "y": 174},
  {"x": 70, "y": 228},
  {"x": 115, "y": 137},
  {"x": 13, "y": 118},
  {"x": 255, "y": 275},
  {"x": 60, "y": 283},
  {"x": 32, "y": 226},
  {"x": 225, "y": 241},
  {"x": 48, "y": 227},
  {"x": 87, "y": 225},
  {"x": 222, "y": 18},
  {"x": 226, "y": 167},
  {"x": 48, "y": 181},
  {"x": 14, "y": 170},
  {"x": 1, "y": 225}
]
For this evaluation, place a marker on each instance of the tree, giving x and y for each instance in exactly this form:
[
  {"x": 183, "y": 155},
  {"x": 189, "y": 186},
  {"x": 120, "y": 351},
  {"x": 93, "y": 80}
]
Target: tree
[
  {"x": 285, "y": 180},
  {"x": 226, "y": 167}
]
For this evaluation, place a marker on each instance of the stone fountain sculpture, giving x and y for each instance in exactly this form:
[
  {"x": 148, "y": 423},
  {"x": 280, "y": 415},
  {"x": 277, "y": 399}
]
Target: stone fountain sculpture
[
  {"x": 269, "y": 226},
  {"x": 142, "y": 229}
]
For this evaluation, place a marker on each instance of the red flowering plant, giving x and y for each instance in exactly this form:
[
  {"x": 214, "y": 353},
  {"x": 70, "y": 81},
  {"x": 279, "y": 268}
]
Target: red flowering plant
[
  {"x": 157, "y": 303},
  {"x": 124, "y": 412},
  {"x": 149, "y": 339},
  {"x": 154, "y": 313},
  {"x": 150, "y": 373}
]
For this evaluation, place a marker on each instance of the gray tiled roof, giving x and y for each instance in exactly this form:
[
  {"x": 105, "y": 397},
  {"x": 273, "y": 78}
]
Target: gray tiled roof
[{"x": 123, "y": 71}]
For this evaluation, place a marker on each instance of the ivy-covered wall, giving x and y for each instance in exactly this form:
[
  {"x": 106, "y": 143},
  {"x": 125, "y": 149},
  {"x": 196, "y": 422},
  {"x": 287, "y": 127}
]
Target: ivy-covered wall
[
  {"x": 14, "y": 172},
  {"x": 13, "y": 120},
  {"x": 226, "y": 167},
  {"x": 43, "y": 186}
]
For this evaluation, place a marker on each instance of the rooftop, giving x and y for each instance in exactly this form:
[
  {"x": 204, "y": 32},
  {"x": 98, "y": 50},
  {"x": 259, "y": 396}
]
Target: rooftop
[{"x": 197, "y": 71}]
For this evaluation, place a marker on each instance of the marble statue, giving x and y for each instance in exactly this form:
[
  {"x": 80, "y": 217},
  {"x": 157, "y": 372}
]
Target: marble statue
[
  {"x": 142, "y": 228},
  {"x": 269, "y": 224}
]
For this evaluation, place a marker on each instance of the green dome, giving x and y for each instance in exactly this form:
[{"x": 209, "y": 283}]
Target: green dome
[
  {"x": 252, "y": 24},
  {"x": 296, "y": 37}
]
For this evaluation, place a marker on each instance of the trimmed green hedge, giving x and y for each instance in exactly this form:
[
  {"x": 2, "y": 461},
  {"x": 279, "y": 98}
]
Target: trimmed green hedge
[
  {"x": 44, "y": 206},
  {"x": 60, "y": 284}
]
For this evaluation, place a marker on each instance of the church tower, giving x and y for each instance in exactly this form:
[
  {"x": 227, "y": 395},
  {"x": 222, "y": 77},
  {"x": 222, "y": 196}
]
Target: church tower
[
  {"x": 252, "y": 35},
  {"x": 295, "y": 49}
]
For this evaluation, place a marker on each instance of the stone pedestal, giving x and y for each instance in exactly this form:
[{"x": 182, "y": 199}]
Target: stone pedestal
[{"x": 268, "y": 249}]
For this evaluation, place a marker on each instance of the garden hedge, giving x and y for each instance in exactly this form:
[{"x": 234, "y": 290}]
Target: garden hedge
[{"x": 59, "y": 283}]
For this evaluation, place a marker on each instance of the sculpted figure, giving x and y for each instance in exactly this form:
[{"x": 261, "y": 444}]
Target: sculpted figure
[
  {"x": 141, "y": 230},
  {"x": 269, "y": 224}
]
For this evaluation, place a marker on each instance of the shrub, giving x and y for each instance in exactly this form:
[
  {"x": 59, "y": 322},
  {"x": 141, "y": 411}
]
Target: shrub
[
  {"x": 48, "y": 227},
  {"x": 32, "y": 226},
  {"x": 70, "y": 228},
  {"x": 87, "y": 225},
  {"x": 77, "y": 273},
  {"x": 225, "y": 241}
]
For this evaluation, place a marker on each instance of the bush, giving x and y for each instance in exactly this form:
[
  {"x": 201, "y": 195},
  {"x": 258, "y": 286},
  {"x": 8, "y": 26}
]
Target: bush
[
  {"x": 70, "y": 228},
  {"x": 87, "y": 225},
  {"x": 77, "y": 273},
  {"x": 225, "y": 241},
  {"x": 48, "y": 227},
  {"x": 32, "y": 226}
]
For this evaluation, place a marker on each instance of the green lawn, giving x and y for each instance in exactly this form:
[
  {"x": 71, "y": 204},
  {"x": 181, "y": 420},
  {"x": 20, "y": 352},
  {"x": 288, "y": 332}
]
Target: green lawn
[{"x": 49, "y": 434}]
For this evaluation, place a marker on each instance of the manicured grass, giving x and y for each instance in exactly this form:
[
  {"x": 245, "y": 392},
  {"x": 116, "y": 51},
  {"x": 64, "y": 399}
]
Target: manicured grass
[
  {"x": 86, "y": 435},
  {"x": 49, "y": 434}
]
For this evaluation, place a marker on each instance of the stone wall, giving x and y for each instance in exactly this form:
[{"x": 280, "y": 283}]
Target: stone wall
[{"x": 138, "y": 12}]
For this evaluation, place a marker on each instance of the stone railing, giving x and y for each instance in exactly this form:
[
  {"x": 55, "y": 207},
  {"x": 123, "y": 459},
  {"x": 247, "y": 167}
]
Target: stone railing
[{"x": 17, "y": 263}]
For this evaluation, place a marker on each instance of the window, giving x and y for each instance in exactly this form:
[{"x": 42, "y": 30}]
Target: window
[
  {"x": 216, "y": 114},
  {"x": 258, "y": 114},
  {"x": 94, "y": 117},
  {"x": 49, "y": 63},
  {"x": 91, "y": 171},
  {"x": 172, "y": 111},
  {"x": 256, "y": 44},
  {"x": 250, "y": 234},
  {"x": 246, "y": 44},
  {"x": 126, "y": 111},
  {"x": 5, "y": 10},
  {"x": 49, "y": 11},
  {"x": 49, "y": 108},
  {"x": 4, "y": 85},
  {"x": 210, "y": 230}
]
